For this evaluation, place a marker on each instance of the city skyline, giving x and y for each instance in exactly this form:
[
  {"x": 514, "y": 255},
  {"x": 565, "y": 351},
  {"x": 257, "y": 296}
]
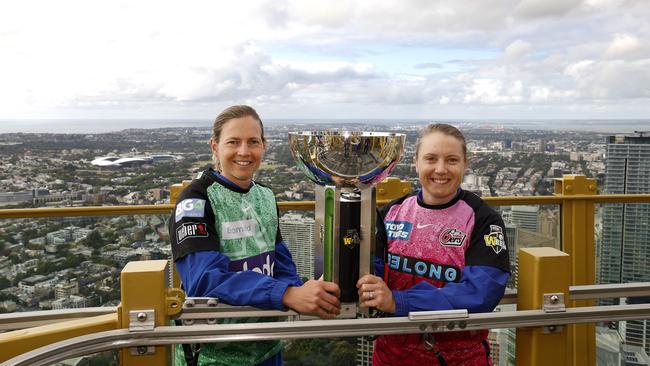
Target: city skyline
[{"x": 341, "y": 59}]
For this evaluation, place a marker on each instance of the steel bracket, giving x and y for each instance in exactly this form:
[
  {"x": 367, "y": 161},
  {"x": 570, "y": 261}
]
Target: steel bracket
[
  {"x": 202, "y": 303},
  {"x": 554, "y": 303},
  {"x": 142, "y": 320}
]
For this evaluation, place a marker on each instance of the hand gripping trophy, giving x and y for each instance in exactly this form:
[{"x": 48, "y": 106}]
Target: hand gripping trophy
[{"x": 345, "y": 165}]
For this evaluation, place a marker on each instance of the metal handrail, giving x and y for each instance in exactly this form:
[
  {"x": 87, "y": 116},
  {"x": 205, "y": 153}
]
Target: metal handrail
[
  {"x": 28, "y": 319},
  {"x": 303, "y": 205},
  {"x": 13, "y": 321},
  {"x": 165, "y": 335}
]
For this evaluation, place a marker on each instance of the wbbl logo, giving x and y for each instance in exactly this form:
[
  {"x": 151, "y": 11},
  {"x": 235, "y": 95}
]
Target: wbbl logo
[
  {"x": 398, "y": 230},
  {"x": 495, "y": 239},
  {"x": 191, "y": 207}
]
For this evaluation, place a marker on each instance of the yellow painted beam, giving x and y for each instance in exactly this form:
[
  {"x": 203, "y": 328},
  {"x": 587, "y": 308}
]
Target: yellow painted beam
[
  {"x": 17, "y": 213},
  {"x": 392, "y": 188},
  {"x": 541, "y": 271},
  {"x": 578, "y": 241},
  {"x": 145, "y": 287},
  {"x": 17, "y": 342}
]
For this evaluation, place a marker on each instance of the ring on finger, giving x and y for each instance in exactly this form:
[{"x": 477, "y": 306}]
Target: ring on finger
[{"x": 371, "y": 295}]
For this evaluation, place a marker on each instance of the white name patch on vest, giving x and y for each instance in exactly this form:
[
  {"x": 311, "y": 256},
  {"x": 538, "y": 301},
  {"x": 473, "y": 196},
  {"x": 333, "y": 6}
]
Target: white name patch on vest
[{"x": 238, "y": 229}]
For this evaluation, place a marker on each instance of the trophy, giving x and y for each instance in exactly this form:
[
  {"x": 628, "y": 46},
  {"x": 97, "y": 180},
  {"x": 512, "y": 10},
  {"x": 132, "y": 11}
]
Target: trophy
[{"x": 345, "y": 165}]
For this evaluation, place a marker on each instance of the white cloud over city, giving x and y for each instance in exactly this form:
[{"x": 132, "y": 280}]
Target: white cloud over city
[{"x": 316, "y": 59}]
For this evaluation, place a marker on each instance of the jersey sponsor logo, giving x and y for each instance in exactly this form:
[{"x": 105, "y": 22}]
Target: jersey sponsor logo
[
  {"x": 398, "y": 230},
  {"x": 452, "y": 237},
  {"x": 191, "y": 207},
  {"x": 422, "y": 268},
  {"x": 191, "y": 230},
  {"x": 263, "y": 263},
  {"x": 495, "y": 239},
  {"x": 422, "y": 226},
  {"x": 238, "y": 229}
]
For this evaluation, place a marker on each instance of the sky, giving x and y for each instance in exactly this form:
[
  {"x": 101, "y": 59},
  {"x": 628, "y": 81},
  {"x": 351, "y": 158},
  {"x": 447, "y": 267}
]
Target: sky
[{"x": 410, "y": 59}]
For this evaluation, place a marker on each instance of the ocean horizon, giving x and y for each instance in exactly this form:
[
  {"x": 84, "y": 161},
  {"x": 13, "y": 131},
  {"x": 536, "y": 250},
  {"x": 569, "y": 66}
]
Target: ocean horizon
[{"x": 92, "y": 126}]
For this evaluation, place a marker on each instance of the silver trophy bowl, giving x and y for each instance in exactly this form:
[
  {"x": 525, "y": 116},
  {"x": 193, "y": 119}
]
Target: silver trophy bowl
[{"x": 346, "y": 158}]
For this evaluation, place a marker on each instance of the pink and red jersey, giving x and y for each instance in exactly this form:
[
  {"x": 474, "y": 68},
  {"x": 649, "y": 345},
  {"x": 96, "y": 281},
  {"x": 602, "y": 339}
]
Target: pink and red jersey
[{"x": 461, "y": 245}]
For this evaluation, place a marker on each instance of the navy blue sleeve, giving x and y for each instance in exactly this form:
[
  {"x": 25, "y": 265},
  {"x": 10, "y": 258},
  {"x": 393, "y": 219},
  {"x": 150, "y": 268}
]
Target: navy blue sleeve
[
  {"x": 205, "y": 273},
  {"x": 379, "y": 267},
  {"x": 479, "y": 290},
  {"x": 285, "y": 268}
]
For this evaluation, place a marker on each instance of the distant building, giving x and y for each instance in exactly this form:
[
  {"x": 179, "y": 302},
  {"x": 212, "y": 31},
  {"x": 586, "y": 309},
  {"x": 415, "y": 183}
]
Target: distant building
[
  {"x": 72, "y": 302},
  {"x": 625, "y": 246},
  {"x": 609, "y": 347},
  {"x": 502, "y": 346},
  {"x": 365, "y": 347},
  {"x": 29, "y": 284},
  {"x": 525, "y": 217},
  {"x": 635, "y": 356},
  {"x": 298, "y": 232},
  {"x": 131, "y": 161},
  {"x": 8, "y": 306},
  {"x": 512, "y": 237},
  {"x": 65, "y": 290},
  {"x": 68, "y": 234}
]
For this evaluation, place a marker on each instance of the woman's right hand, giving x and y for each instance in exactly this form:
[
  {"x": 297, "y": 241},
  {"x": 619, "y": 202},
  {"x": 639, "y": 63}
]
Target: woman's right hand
[{"x": 314, "y": 297}]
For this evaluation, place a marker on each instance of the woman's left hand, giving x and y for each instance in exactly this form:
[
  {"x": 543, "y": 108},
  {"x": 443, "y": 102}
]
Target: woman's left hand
[{"x": 373, "y": 292}]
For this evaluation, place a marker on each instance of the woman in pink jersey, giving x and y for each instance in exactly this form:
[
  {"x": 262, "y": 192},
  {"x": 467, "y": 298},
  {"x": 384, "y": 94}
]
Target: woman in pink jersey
[{"x": 443, "y": 248}]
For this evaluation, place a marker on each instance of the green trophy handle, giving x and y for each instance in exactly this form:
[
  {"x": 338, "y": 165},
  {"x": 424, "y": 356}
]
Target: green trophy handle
[{"x": 328, "y": 240}]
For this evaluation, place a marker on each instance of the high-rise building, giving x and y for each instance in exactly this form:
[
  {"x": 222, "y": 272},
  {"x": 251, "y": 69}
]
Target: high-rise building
[
  {"x": 502, "y": 343},
  {"x": 298, "y": 232},
  {"x": 525, "y": 217},
  {"x": 624, "y": 252}
]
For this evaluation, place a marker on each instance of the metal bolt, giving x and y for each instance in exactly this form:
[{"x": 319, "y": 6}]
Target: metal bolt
[
  {"x": 555, "y": 299},
  {"x": 423, "y": 327},
  {"x": 552, "y": 328},
  {"x": 141, "y": 350},
  {"x": 189, "y": 303},
  {"x": 142, "y": 316},
  {"x": 212, "y": 303},
  {"x": 462, "y": 324},
  {"x": 451, "y": 325}
]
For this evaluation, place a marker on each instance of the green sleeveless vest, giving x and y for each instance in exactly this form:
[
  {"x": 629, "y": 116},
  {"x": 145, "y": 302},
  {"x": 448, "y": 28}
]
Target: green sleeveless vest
[{"x": 246, "y": 225}]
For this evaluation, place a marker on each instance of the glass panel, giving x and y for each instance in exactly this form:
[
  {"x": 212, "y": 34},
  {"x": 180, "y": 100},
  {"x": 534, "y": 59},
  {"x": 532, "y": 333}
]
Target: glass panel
[
  {"x": 108, "y": 358},
  {"x": 622, "y": 233},
  {"x": 324, "y": 352},
  {"x": 60, "y": 263},
  {"x": 530, "y": 226}
]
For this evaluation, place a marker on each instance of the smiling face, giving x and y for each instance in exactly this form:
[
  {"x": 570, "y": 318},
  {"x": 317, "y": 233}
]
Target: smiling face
[
  {"x": 239, "y": 150},
  {"x": 440, "y": 164}
]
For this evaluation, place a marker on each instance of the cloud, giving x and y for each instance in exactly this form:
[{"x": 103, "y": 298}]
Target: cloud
[
  {"x": 628, "y": 46},
  {"x": 544, "y": 8},
  {"x": 353, "y": 56},
  {"x": 428, "y": 65},
  {"x": 517, "y": 50}
]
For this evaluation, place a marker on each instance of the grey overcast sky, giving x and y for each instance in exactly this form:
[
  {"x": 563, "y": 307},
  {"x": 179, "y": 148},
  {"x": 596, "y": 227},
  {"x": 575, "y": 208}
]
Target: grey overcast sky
[{"x": 326, "y": 59}]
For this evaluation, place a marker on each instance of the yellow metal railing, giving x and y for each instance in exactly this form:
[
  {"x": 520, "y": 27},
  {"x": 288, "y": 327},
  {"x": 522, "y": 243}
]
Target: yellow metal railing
[
  {"x": 576, "y": 196},
  {"x": 165, "y": 209}
]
